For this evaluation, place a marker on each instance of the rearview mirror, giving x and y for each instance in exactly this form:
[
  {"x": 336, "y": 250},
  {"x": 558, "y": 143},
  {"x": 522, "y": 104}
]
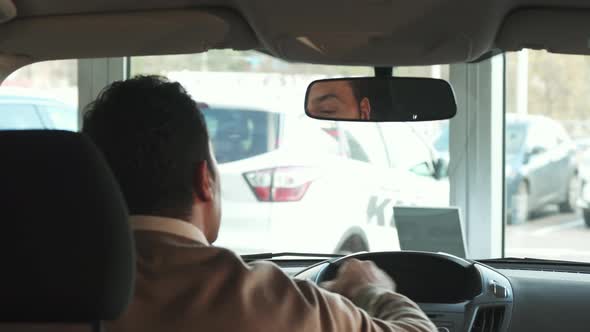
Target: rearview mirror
[{"x": 381, "y": 99}]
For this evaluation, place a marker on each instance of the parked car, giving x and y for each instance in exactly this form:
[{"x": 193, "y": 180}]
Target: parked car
[
  {"x": 541, "y": 167},
  {"x": 27, "y": 112},
  {"x": 584, "y": 203},
  {"x": 583, "y": 146},
  {"x": 286, "y": 177}
]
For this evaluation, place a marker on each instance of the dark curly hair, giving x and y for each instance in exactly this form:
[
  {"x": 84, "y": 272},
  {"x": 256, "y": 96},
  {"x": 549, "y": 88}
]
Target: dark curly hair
[
  {"x": 360, "y": 89},
  {"x": 153, "y": 135}
]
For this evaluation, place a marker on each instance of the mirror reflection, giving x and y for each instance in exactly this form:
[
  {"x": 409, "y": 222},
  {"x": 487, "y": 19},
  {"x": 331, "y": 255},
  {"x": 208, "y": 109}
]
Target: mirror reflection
[
  {"x": 342, "y": 99},
  {"x": 380, "y": 99}
]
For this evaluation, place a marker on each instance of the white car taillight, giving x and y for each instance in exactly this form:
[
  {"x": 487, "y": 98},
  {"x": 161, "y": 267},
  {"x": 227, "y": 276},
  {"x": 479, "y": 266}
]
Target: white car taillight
[{"x": 280, "y": 184}]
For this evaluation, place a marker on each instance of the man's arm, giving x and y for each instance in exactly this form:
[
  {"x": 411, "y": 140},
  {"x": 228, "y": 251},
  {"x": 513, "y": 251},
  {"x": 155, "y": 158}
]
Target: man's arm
[
  {"x": 369, "y": 303},
  {"x": 394, "y": 308},
  {"x": 373, "y": 290}
]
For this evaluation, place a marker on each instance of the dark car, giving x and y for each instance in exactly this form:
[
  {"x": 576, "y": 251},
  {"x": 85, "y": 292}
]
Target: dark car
[{"x": 541, "y": 167}]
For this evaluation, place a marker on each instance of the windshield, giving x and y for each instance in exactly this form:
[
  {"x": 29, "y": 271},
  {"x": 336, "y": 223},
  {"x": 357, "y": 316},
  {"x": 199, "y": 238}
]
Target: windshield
[
  {"x": 290, "y": 183},
  {"x": 285, "y": 177},
  {"x": 441, "y": 143},
  {"x": 548, "y": 190},
  {"x": 238, "y": 134}
]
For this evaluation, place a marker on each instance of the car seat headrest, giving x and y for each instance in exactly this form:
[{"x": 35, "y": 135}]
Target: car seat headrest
[{"x": 66, "y": 248}]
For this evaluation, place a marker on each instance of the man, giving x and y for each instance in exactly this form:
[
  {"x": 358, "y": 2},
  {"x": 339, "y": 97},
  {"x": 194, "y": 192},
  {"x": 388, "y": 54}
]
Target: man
[
  {"x": 155, "y": 140},
  {"x": 339, "y": 99}
]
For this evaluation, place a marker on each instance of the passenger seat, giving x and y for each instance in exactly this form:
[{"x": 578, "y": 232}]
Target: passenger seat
[{"x": 66, "y": 250}]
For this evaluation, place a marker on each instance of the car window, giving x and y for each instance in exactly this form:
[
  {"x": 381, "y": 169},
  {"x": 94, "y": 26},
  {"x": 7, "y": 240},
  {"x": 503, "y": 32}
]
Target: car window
[
  {"x": 423, "y": 169},
  {"x": 365, "y": 143},
  {"x": 406, "y": 149},
  {"x": 550, "y": 139},
  {"x": 355, "y": 149},
  {"x": 542, "y": 134},
  {"x": 19, "y": 116},
  {"x": 441, "y": 143},
  {"x": 317, "y": 174},
  {"x": 64, "y": 118},
  {"x": 560, "y": 134},
  {"x": 516, "y": 133},
  {"x": 310, "y": 136},
  {"x": 238, "y": 134},
  {"x": 533, "y": 137}
]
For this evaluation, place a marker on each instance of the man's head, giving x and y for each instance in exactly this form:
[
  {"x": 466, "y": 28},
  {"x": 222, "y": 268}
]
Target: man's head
[
  {"x": 155, "y": 140},
  {"x": 339, "y": 99}
]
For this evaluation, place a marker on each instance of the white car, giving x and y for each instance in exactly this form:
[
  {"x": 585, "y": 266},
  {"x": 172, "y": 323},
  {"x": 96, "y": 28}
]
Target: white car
[
  {"x": 287, "y": 177},
  {"x": 24, "y": 111}
]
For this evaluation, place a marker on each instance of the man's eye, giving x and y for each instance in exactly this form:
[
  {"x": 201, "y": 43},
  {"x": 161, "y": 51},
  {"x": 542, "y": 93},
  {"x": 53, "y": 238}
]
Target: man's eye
[{"x": 327, "y": 112}]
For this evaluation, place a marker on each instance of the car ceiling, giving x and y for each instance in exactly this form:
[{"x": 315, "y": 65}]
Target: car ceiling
[{"x": 351, "y": 32}]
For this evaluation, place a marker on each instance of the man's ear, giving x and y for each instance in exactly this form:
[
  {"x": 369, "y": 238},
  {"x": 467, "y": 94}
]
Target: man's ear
[
  {"x": 365, "y": 109},
  {"x": 202, "y": 182}
]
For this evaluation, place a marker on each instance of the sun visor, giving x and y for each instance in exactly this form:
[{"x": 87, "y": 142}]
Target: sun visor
[
  {"x": 7, "y": 10},
  {"x": 362, "y": 48},
  {"x": 568, "y": 31},
  {"x": 110, "y": 35}
]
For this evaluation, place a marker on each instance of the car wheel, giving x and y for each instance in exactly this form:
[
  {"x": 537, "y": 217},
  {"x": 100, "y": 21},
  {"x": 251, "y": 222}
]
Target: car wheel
[
  {"x": 587, "y": 217},
  {"x": 573, "y": 194},
  {"x": 353, "y": 244},
  {"x": 520, "y": 204}
]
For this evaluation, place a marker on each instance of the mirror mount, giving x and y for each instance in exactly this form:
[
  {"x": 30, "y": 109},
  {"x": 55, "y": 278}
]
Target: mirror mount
[{"x": 383, "y": 71}]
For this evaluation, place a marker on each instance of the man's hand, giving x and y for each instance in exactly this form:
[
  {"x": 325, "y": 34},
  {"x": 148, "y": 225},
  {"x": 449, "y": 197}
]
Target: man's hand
[{"x": 354, "y": 275}]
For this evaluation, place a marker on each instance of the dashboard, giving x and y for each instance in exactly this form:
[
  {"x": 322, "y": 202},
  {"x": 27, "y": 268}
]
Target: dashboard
[{"x": 472, "y": 296}]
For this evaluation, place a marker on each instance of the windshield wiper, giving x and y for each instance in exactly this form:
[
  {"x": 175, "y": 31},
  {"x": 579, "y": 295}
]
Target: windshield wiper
[
  {"x": 527, "y": 260},
  {"x": 270, "y": 255}
]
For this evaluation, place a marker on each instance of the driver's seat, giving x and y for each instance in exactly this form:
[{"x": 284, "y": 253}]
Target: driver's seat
[{"x": 66, "y": 250}]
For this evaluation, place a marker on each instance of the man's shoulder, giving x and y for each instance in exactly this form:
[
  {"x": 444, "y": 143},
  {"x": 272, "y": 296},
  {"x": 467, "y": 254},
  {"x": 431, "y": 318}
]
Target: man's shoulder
[
  {"x": 257, "y": 274},
  {"x": 183, "y": 250},
  {"x": 208, "y": 259}
]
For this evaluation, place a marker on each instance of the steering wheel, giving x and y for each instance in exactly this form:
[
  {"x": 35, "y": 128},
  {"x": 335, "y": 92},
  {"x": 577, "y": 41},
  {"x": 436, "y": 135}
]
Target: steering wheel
[
  {"x": 451, "y": 290},
  {"x": 394, "y": 263},
  {"x": 422, "y": 276}
]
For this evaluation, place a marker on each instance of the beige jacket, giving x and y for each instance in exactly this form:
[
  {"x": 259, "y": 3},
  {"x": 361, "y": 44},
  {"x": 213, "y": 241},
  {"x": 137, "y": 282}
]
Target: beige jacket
[{"x": 183, "y": 284}]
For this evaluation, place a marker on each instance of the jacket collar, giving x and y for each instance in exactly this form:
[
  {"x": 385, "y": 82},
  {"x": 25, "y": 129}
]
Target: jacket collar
[{"x": 167, "y": 225}]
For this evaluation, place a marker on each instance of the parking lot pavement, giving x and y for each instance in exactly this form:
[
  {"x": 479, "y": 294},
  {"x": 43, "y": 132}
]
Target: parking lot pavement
[{"x": 550, "y": 235}]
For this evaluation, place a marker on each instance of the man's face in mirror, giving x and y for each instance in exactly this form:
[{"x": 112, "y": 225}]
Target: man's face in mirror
[{"x": 337, "y": 100}]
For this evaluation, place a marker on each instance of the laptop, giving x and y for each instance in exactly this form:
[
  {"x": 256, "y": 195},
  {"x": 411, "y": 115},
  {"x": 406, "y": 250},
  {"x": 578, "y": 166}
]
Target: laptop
[{"x": 430, "y": 229}]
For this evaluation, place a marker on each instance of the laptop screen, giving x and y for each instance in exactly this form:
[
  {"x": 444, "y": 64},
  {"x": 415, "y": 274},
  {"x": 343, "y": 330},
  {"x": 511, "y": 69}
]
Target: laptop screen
[{"x": 430, "y": 229}]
